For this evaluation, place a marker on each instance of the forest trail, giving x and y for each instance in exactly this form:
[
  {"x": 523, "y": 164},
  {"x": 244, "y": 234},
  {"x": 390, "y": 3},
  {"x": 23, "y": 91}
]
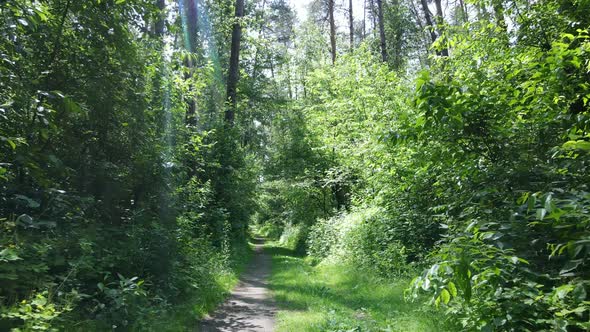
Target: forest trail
[{"x": 250, "y": 306}]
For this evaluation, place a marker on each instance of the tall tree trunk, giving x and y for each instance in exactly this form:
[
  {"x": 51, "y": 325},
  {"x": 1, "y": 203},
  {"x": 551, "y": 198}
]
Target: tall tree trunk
[
  {"x": 332, "y": 29},
  {"x": 190, "y": 19},
  {"x": 161, "y": 21},
  {"x": 463, "y": 11},
  {"x": 440, "y": 24},
  {"x": 351, "y": 24},
  {"x": 427, "y": 15},
  {"x": 382, "y": 30},
  {"x": 234, "y": 64}
]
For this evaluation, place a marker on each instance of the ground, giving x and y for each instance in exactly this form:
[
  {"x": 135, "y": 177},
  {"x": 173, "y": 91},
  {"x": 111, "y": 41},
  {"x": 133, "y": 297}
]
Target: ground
[{"x": 250, "y": 306}]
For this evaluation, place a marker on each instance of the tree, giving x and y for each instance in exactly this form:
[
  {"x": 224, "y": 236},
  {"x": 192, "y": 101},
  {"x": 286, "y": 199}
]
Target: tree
[
  {"x": 382, "y": 30},
  {"x": 161, "y": 17},
  {"x": 234, "y": 64},
  {"x": 439, "y": 18},
  {"x": 189, "y": 11},
  {"x": 428, "y": 17},
  {"x": 332, "y": 30}
]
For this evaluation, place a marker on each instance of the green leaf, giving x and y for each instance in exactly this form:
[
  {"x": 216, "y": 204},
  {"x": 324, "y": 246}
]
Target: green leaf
[
  {"x": 570, "y": 266},
  {"x": 577, "y": 145},
  {"x": 548, "y": 206},
  {"x": 446, "y": 296},
  {"x": 452, "y": 289},
  {"x": 39, "y": 301},
  {"x": 562, "y": 291},
  {"x": 9, "y": 255}
]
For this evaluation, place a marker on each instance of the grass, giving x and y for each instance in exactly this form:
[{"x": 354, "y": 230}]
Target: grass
[{"x": 332, "y": 297}]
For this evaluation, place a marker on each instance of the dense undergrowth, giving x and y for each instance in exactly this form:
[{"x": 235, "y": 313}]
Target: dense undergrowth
[{"x": 117, "y": 211}]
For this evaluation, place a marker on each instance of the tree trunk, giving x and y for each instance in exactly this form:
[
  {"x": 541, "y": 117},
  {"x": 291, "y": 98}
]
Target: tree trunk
[
  {"x": 429, "y": 24},
  {"x": 382, "y": 30},
  {"x": 190, "y": 17},
  {"x": 332, "y": 29},
  {"x": 440, "y": 24},
  {"x": 351, "y": 24},
  {"x": 234, "y": 64},
  {"x": 464, "y": 11},
  {"x": 161, "y": 21}
]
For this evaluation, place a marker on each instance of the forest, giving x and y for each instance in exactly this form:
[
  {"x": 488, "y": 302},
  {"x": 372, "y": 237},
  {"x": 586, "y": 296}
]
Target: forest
[{"x": 413, "y": 165}]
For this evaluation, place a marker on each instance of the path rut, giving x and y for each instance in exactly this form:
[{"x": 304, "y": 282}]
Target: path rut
[{"x": 250, "y": 306}]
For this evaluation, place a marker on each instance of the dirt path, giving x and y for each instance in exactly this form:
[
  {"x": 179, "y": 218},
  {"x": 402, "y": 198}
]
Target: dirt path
[{"x": 249, "y": 307}]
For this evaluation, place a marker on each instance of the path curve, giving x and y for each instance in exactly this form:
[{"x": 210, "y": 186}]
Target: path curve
[{"x": 250, "y": 306}]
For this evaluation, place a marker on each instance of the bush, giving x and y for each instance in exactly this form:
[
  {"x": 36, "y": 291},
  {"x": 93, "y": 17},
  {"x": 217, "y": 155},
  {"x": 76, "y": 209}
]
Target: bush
[
  {"x": 270, "y": 231},
  {"x": 294, "y": 237},
  {"x": 362, "y": 237}
]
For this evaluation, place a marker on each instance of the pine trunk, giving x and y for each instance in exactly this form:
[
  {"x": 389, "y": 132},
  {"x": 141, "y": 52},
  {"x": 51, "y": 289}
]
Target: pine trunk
[{"x": 234, "y": 64}]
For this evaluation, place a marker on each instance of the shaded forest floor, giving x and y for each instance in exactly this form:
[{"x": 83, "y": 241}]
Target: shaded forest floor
[{"x": 336, "y": 297}]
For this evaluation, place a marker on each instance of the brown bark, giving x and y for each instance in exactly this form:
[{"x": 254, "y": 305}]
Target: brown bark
[
  {"x": 332, "y": 30},
  {"x": 234, "y": 64}
]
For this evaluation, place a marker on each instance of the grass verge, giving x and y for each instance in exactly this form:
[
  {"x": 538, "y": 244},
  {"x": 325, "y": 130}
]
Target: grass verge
[
  {"x": 341, "y": 298},
  {"x": 185, "y": 316}
]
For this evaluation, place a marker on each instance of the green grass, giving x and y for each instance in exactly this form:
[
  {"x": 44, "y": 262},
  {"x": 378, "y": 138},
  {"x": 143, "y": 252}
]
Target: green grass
[{"x": 341, "y": 298}]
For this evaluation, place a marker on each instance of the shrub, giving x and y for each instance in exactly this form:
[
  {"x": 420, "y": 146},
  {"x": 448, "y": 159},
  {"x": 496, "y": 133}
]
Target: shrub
[{"x": 361, "y": 237}]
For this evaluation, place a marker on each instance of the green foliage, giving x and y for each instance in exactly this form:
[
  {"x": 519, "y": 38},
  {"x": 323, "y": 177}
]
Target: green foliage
[
  {"x": 36, "y": 313},
  {"x": 512, "y": 125},
  {"x": 112, "y": 210},
  {"x": 362, "y": 238}
]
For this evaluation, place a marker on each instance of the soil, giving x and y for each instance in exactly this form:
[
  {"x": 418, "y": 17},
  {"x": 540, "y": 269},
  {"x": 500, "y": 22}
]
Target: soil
[{"x": 250, "y": 306}]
